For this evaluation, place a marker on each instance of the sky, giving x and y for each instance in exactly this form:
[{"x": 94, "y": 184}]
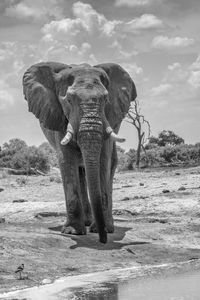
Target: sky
[{"x": 156, "y": 41}]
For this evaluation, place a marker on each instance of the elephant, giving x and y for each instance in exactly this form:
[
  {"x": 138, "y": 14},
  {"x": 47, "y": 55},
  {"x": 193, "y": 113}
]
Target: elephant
[{"x": 80, "y": 109}]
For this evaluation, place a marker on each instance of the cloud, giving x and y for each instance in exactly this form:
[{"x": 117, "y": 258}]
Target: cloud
[
  {"x": 194, "y": 79},
  {"x": 69, "y": 36},
  {"x": 35, "y": 10},
  {"x": 177, "y": 74},
  {"x": 14, "y": 59},
  {"x": 144, "y": 22},
  {"x": 6, "y": 98},
  {"x": 161, "y": 90},
  {"x": 133, "y": 3},
  {"x": 186, "y": 78},
  {"x": 174, "y": 66},
  {"x": 87, "y": 22},
  {"x": 93, "y": 20},
  {"x": 103, "y": 35},
  {"x": 179, "y": 86},
  {"x": 196, "y": 64},
  {"x": 164, "y": 42}
]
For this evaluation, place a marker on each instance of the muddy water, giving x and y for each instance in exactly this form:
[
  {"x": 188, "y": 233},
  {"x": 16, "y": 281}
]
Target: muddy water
[{"x": 177, "y": 287}]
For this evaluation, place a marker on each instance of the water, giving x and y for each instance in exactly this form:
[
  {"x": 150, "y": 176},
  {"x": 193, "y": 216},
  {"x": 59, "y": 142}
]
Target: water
[
  {"x": 176, "y": 287},
  {"x": 149, "y": 283}
]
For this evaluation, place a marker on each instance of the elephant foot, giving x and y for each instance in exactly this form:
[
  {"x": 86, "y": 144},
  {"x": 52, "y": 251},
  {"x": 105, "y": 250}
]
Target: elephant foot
[
  {"x": 109, "y": 227},
  {"x": 75, "y": 229}
]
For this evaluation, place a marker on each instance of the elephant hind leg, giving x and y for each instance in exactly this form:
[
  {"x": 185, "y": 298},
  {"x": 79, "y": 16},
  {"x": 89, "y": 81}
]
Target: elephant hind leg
[{"x": 84, "y": 197}]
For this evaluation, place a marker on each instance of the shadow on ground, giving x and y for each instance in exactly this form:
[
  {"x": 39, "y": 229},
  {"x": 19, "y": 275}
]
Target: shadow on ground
[{"x": 91, "y": 239}]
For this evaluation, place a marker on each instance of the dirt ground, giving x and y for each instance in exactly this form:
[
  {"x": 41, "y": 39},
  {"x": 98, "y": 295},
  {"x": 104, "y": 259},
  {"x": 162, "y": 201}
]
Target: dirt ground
[{"x": 156, "y": 221}]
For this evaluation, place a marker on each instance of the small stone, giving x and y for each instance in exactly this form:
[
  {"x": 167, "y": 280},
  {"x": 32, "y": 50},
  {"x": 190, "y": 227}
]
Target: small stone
[
  {"x": 141, "y": 184},
  {"x": 46, "y": 281},
  {"x": 177, "y": 173},
  {"x": 19, "y": 201},
  {"x": 131, "y": 251},
  {"x": 165, "y": 191},
  {"x": 2, "y": 220},
  {"x": 125, "y": 199},
  {"x": 127, "y": 185},
  {"x": 1, "y": 190},
  {"x": 182, "y": 188}
]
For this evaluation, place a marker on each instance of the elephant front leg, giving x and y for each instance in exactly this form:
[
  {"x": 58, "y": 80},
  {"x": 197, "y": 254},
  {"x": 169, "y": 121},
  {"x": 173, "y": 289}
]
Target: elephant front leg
[{"x": 70, "y": 177}]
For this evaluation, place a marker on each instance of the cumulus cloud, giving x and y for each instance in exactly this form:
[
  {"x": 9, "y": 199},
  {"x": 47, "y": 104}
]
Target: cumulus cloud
[
  {"x": 69, "y": 37},
  {"x": 144, "y": 22},
  {"x": 164, "y": 42},
  {"x": 35, "y": 10},
  {"x": 89, "y": 26},
  {"x": 87, "y": 22}
]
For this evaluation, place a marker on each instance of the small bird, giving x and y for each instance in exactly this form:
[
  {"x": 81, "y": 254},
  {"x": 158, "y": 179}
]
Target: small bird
[{"x": 20, "y": 270}]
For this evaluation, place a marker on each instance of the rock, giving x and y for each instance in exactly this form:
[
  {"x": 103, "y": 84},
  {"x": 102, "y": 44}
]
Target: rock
[
  {"x": 125, "y": 199},
  {"x": 119, "y": 212},
  {"x": 141, "y": 184},
  {"x": 127, "y": 185},
  {"x": 56, "y": 179},
  {"x": 19, "y": 201},
  {"x": 2, "y": 220},
  {"x": 182, "y": 188},
  {"x": 157, "y": 220},
  {"x": 129, "y": 250},
  {"x": 47, "y": 214},
  {"x": 46, "y": 281},
  {"x": 165, "y": 191},
  {"x": 1, "y": 190},
  {"x": 177, "y": 173}
]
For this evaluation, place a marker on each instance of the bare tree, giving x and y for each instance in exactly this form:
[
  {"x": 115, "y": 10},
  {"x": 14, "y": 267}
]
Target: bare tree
[{"x": 142, "y": 126}]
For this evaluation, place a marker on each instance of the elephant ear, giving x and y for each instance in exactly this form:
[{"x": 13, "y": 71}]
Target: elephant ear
[
  {"x": 40, "y": 93},
  {"x": 121, "y": 92}
]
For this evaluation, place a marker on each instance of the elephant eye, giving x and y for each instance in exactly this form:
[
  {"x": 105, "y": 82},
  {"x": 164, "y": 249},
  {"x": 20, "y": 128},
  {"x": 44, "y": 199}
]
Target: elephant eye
[
  {"x": 96, "y": 81},
  {"x": 69, "y": 100},
  {"x": 104, "y": 80},
  {"x": 70, "y": 80}
]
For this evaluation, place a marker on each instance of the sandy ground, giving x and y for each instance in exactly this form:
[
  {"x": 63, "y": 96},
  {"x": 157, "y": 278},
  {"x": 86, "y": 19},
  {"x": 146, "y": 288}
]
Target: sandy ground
[{"x": 156, "y": 221}]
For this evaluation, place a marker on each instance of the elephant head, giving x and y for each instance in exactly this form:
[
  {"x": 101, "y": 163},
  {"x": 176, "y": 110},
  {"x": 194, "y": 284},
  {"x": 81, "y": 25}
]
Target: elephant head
[{"x": 86, "y": 104}]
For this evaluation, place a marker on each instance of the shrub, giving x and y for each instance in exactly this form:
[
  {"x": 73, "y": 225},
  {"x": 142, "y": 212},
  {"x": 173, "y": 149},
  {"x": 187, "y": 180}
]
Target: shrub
[
  {"x": 50, "y": 153},
  {"x": 30, "y": 157}
]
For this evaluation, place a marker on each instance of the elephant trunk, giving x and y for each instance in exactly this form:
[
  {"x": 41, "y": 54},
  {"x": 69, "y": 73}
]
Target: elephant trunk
[{"x": 90, "y": 140}]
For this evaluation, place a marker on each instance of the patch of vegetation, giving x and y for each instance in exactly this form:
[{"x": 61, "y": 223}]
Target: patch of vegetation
[
  {"x": 17, "y": 155},
  {"x": 168, "y": 149}
]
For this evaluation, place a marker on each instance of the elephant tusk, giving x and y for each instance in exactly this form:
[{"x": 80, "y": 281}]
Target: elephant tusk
[
  {"x": 67, "y": 138},
  {"x": 114, "y": 136},
  {"x": 117, "y": 138}
]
